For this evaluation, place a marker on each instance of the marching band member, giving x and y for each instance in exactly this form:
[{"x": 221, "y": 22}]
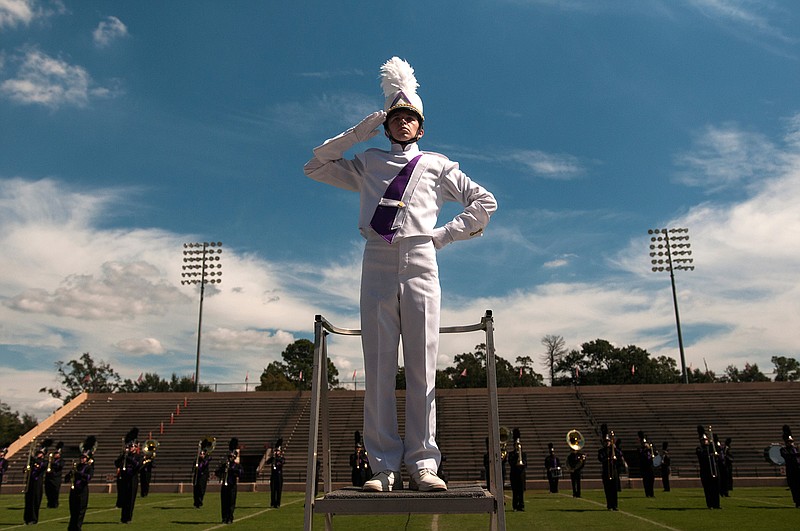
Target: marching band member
[
  {"x": 646, "y": 456},
  {"x": 609, "y": 456},
  {"x": 34, "y": 483},
  {"x": 727, "y": 462},
  {"x": 52, "y": 476},
  {"x": 791, "y": 456},
  {"x": 79, "y": 478},
  {"x": 228, "y": 473},
  {"x": 709, "y": 475},
  {"x": 3, "y": 463},
  {"x": 277, "y": 460},
  {"x": 576, "y": 460},
  {"x": 552, "y": 466},
  {"x": 201, "y": 472},
  {"x": 722, "y": 469},
  {"x": 359, "y": 463},
  {"x": 402, "y": 192},
  {"x": 517, "y": 463},
  {"x": 128, "y": 465},
  {"x": 665, "y": 465}
]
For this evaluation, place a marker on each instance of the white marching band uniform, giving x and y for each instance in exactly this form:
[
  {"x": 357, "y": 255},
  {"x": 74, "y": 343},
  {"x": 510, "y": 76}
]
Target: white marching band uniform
[{"x": 401, "y": 278}]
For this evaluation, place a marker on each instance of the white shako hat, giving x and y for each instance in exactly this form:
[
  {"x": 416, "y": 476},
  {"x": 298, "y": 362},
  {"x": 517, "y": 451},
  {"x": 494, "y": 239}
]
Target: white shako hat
[{"x": 400, "y": 87}]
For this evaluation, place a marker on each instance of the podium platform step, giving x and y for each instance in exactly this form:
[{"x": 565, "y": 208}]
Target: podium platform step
[{"x": 457, "y": 499}]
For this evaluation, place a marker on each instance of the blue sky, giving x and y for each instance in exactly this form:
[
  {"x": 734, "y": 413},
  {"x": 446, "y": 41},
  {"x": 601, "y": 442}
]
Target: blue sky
[{"x": 130, "y": 128}]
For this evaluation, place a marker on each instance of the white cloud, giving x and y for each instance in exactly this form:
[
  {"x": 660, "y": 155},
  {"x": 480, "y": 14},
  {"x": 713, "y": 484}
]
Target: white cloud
[
  {"x": 109, "y": 30},
  {"x": 147, "y": 345},
  {"x": 16, "y": 12},
  {"x": 728, "y": 156},
  {"x": 51, "y": 82}
]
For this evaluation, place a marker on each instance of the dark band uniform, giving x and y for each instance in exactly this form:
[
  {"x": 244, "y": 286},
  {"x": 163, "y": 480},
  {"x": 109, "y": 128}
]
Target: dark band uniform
[
  {"x": 666, "y": 462},
  {"x": 128, "y": 464},
  {"x": 576, "y": 460},
  {"x": 709, "y": 475},
  {"x": 359, "y": 463},
  {"x": 52, "y": 476},
  {"x": 552, "y": 466},
  {"x": 609, "y": 456},
  {"x": 646, "y": 456},
  {"x": 791, "y": 456},
  {"x": 34, "y": 484},
  {"x": 228, "y": 473},
  {"x": 517, "y": 464},
  {"x": 79, "y": 478},
  {"x": 202, "y": 469},
  {"x": 276, "y": 462}
]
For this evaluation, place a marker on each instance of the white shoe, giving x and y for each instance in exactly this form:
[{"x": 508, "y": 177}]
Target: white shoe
[
  {"x": 385, "y": 481},
  {"x": 426, "y": 480}
]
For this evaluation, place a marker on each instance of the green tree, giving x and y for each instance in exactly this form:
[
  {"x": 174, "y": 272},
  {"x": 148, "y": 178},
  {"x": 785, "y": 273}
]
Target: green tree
[
  {"x": 297, "y": 368},
  {"x": 698, "y": 376},
  {"x": 600, "y": 363},
  {"x": 152, "y": 383},
  {"x": 82, "y": 375},
  {"x": 786, "y": 369},
  {"x": 12, "y": 425},
  {"x": 750, "y": 373}
]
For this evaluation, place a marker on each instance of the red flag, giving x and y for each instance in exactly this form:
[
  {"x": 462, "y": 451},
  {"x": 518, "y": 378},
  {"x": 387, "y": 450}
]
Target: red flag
[
  {"x": 577, "y": 371},
  {"x": 464, "y": 372},
  {"x": 139, "y": 380},
  {"x": 354, "y": 375},
  {"x": 193, "y": 377},
  {"x": 520, "y": 373},
  {"x": 87, "y": 378},
  {"x": 301, "y": 376},
  {"x": 247, "y": 377},
  {"x": 633, "y": 370}
]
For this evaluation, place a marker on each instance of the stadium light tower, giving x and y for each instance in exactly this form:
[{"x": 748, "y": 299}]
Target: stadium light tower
[
  {"x": 200, "y": 261},
  {"x": 665, "y": 246}
]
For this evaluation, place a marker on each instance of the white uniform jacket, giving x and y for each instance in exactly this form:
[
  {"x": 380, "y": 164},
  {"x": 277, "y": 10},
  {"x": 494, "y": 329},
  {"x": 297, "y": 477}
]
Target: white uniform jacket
[{"x": 435, "y": 180}]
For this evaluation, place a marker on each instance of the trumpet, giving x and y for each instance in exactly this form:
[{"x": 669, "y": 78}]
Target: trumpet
[{"x": 518, "y": 449}]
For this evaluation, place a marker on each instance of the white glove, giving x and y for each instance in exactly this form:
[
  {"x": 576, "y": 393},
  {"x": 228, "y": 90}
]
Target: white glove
[{"x": 334, "y": 148}]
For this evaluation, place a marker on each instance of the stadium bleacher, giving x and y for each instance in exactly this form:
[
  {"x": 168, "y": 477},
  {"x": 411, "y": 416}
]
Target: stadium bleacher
[{"x": 750, "y": 413}]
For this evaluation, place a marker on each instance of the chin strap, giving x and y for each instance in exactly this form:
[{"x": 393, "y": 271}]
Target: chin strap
[{"x": 403, "y": 144}]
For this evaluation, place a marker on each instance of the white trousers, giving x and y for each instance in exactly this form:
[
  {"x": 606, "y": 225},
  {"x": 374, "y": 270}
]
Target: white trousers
[{"x": 400, "y": 296}]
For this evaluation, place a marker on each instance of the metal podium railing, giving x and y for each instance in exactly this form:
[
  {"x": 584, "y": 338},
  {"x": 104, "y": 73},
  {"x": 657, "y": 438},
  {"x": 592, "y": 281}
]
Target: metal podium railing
[{"x": 490, "y": 501}]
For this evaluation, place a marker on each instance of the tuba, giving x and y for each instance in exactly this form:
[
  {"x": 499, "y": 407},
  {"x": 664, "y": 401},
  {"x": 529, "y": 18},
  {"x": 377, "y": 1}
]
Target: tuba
[
  {"x": 505, "y": 434},
  {"x": 149, "y": 450},
  {"x": 575, "y": 440}
]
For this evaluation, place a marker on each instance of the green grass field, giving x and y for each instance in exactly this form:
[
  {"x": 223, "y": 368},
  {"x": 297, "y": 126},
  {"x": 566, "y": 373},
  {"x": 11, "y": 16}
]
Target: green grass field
[{"x": 682, "y": 509}]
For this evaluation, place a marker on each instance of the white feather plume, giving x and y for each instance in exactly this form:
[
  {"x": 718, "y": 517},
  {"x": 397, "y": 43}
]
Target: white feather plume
[{"x": 397, "y": 74}]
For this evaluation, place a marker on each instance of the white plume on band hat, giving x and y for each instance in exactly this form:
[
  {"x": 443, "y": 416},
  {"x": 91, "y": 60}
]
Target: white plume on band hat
[{"x": 400, "y": 87}]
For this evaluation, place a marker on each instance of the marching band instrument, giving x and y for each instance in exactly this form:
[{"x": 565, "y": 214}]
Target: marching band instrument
[
  {"x": 712, "y": 455},
  {"x": 149, "y": 451},
  {"x": 575, "y": 440},
  {"x": 772, "y": 454},
  {"x": 504, "y": 436},
  {"x": 518, "y": 449},
  {"x": 612, "y": 458},
  {"x": 657, "y": 460},
  {"x": 31, "y": 448},
  {"x": 208, "y": 444}
]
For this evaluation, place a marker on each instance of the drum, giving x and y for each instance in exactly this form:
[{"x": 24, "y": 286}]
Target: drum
[
  {"x": 772, "y": 453},
  {"x": 555, "y": 472},
  {"x": 657, "y": 461}
]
